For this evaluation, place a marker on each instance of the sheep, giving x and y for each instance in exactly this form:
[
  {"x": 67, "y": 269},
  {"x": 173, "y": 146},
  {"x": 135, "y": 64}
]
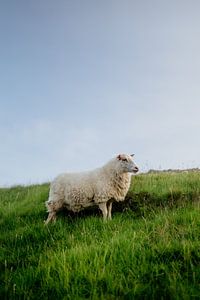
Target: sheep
[{"x": 102, "y": 186}]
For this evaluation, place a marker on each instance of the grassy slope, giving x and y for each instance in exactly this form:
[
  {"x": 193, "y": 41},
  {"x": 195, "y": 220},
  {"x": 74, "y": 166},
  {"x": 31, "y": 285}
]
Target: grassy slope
[{"x": 150, "y": 251}]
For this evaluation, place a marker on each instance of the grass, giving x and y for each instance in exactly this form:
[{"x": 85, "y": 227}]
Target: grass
[{"x": 149, "y": 250}]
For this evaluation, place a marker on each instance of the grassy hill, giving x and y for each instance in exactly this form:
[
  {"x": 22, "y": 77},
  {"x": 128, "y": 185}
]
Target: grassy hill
[{"x": 149, "y": 250}]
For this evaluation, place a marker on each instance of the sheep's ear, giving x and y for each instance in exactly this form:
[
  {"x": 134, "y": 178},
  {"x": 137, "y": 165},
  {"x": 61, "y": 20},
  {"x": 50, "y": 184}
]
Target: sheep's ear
[
  {"x": 132, "y": 155},
  {"x": 119, "y": 157}
]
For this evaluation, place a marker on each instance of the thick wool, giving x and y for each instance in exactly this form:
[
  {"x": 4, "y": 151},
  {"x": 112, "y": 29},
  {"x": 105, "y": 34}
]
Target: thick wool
[{"x": 76, "y": 191}]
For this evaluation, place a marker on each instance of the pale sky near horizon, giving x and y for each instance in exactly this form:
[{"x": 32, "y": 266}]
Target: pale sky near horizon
[{"x": 82, "y": 81}]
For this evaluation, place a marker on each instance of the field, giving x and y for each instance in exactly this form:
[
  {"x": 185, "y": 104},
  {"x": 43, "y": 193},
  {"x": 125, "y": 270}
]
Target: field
[{"x": 149, "y": 250}]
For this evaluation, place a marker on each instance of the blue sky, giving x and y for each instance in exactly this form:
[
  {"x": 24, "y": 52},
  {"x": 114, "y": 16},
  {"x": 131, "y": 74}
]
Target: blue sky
[{"x": 82, "y": 81}]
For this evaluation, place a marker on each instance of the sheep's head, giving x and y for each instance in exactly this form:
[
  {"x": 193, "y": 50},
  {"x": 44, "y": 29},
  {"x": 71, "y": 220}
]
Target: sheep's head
[{"x": 126, "y": 163}]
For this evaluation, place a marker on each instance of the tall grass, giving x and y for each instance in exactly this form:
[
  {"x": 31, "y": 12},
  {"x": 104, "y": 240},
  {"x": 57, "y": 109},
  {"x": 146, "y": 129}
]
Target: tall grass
[{"x": 149, "y": 250}]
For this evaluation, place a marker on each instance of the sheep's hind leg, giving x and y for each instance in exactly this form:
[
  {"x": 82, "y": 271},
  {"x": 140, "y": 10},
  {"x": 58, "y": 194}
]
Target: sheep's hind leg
[
  {"x": 52, "y": 208},
  {"x": 51, "y": 217},
  {"x": 103, "y": 208},
  {"x": 109, "y": 207}
]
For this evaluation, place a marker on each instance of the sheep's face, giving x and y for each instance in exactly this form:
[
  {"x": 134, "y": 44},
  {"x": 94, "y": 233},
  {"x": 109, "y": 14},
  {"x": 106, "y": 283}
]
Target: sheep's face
[{"x": 126, "y": 163}]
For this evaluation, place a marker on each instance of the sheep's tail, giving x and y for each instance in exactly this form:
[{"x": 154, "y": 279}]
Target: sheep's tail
[
  {"x": 53, "y": 205},
  {"x": 47, "y": 204}
]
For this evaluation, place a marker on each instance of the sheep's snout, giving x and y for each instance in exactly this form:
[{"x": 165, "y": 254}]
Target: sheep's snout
[{"x": 135, "y": 169}]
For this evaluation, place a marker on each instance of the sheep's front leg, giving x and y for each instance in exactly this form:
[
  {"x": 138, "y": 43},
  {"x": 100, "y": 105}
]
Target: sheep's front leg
[
  {"x": 109, "y": 207},
  {"x": 103, "y": 208}
]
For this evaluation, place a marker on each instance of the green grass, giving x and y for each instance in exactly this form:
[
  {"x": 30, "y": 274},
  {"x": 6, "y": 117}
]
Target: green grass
[{"x": 149, "y": 250}]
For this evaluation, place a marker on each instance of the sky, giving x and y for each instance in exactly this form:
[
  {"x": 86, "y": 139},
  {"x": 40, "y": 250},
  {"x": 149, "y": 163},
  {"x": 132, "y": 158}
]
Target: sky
[{"x": 83, "y": 81}]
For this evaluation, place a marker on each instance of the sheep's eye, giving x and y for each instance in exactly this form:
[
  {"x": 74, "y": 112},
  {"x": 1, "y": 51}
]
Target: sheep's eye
[{"x": 125, "y": 159}]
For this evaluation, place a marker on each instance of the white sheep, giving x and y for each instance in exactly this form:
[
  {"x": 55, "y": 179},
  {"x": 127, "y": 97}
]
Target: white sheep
[{"x": 76, "y": 191}]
